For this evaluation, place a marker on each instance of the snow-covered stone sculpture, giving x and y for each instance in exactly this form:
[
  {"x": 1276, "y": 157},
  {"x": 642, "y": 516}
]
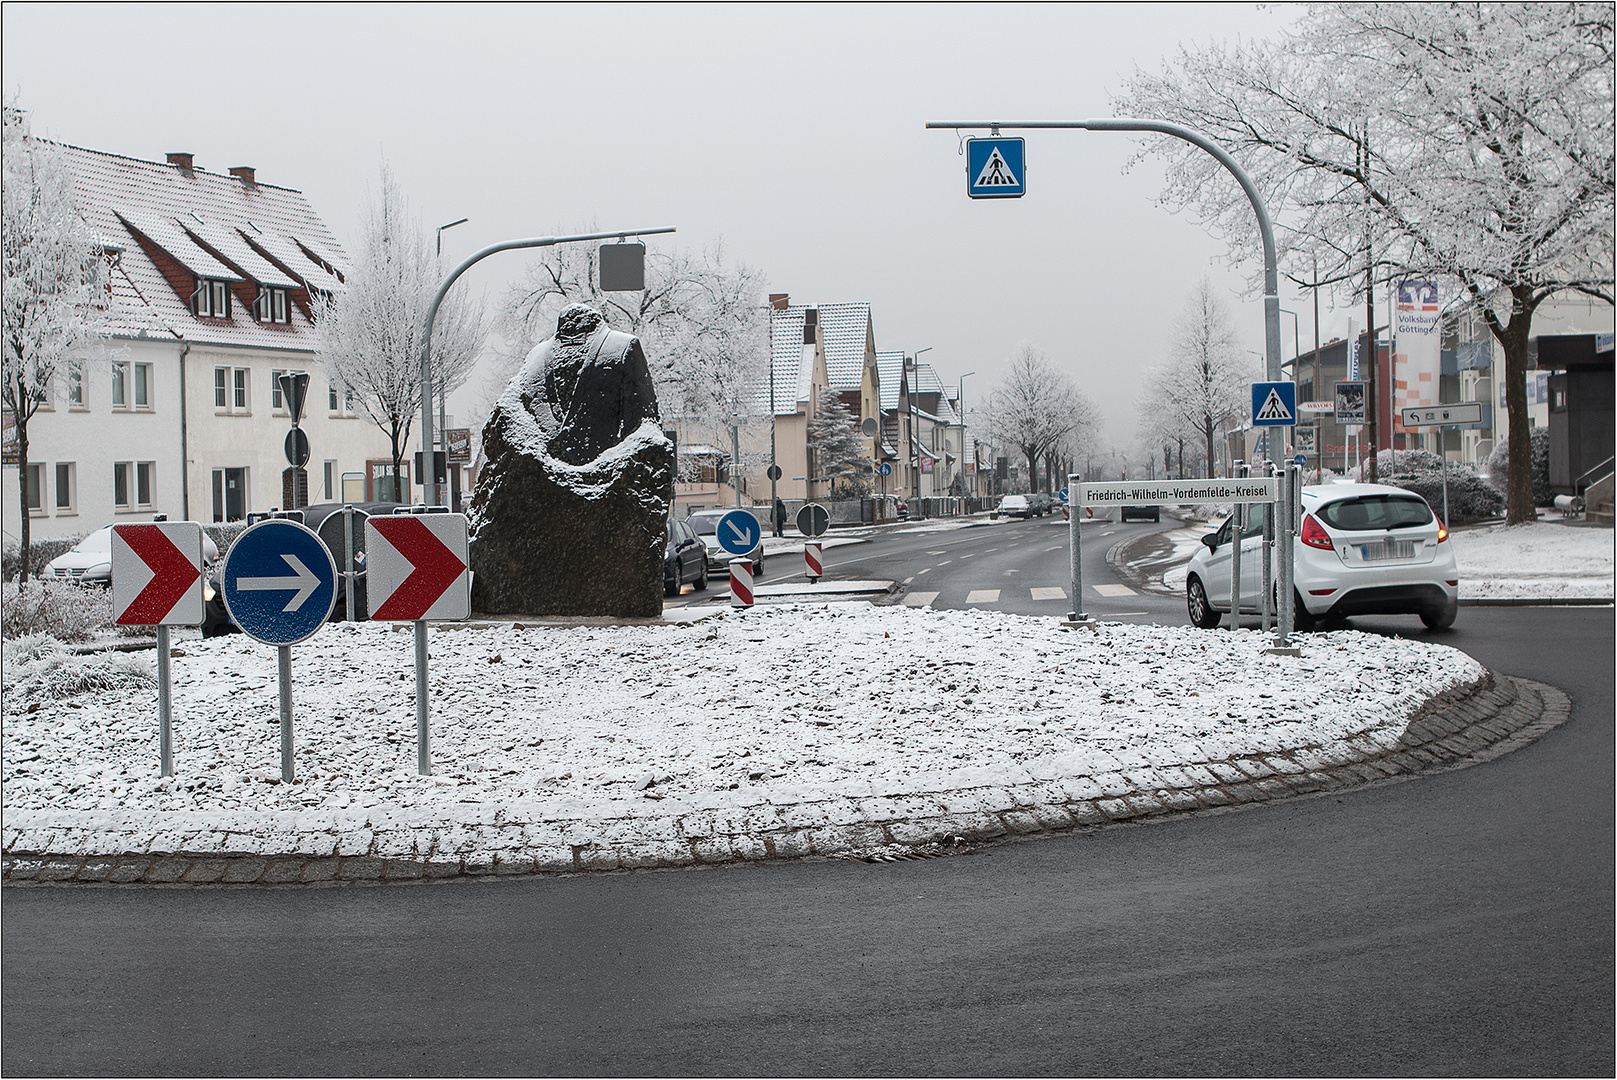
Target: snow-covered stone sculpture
[{"x": 571, "y": 509}]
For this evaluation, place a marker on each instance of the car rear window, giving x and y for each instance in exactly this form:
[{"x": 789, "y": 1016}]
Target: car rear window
[
  {"x": 703, "y": 526},
  {"x": 1376, "y": 512}
]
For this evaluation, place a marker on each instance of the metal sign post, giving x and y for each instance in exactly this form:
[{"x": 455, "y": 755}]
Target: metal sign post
[
  {"x": 157, "y": 579},
  {"x": 1075, "y": 552}
]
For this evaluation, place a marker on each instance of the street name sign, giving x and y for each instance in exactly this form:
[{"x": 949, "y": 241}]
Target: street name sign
[
  {"x": 280, "y": 582},
  {"x": 416, "y": 566},
  {"x": 739, "y": 532},
  {"x": 813, "y": 520},
  {"x": 1316, "y": 406},
  {"x": 1256, "y": 489},
  {"x": 995, "y": 168},
  {"x": 1465, "y": 414},
  {"x": 1274, "y": 404},
  {"x": 157, "y": 574}
]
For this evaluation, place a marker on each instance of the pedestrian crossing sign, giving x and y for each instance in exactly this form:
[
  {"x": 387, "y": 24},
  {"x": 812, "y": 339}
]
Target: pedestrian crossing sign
[
  {"x": 995, "y": 168},
  {"x": 1274, "y": 404}
]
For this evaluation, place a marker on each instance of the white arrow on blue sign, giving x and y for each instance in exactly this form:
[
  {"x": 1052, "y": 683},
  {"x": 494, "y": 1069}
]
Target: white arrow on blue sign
[
  {"x": 995, "y": 168},
  {"x": 739, "y": 532},
  {"x": 280, "y": 583},
  {"x": 1274, "y": 404}
]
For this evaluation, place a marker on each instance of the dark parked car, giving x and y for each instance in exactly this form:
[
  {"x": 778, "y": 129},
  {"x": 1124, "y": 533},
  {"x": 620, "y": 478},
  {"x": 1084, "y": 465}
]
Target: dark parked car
[
  {"x": 1143, "y": 513},
  {"x": 325, "y": 520},
  {"x": 684, "y": 560}
]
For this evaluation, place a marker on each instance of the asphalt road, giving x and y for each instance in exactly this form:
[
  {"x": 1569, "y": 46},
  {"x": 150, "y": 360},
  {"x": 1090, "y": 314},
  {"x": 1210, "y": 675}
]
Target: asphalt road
[{"x": 1460, "y": 923}]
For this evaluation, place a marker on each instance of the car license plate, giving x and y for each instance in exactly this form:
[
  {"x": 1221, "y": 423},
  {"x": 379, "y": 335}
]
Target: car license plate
[{"x": 1387, "y": 549}]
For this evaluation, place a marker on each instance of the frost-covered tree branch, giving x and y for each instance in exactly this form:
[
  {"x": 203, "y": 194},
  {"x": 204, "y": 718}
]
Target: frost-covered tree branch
[
  {"x": 1035, "y": 408},
  {"x": 1201, "y": 387}
]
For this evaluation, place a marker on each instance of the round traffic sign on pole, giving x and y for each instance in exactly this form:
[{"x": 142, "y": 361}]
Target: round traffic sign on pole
[
  {"x": 885, "y": 469},
  {"x": 279, "y": 582},
  {"x": 773, "y": 472},
  {"x": 739, "y": 532},
  {"x": 813, "y": 520},
  {"x": 297, "y": 448}
]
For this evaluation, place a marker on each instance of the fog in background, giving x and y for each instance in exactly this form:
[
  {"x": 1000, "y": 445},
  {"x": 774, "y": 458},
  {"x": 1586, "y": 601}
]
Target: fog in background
[{"x": 795, "y": 133}]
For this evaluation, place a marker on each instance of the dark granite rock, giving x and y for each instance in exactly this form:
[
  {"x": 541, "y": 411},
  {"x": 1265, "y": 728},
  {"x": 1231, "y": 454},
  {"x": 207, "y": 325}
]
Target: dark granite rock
[{"x": 571, "y": 510}]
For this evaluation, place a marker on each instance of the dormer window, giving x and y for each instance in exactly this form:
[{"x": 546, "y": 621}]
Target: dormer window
[
  {"x": 211, "y": 300},
  {"x": 270, "y": 307}
]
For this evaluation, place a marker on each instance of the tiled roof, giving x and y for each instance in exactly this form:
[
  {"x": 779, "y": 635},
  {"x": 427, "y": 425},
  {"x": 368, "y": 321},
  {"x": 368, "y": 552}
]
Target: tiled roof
[
  {"x": 791, "y": 361},
  {"x": 175, "y": 210},
  {"x": 845, "y": 328},
  {"x": 890, "y": 369}
]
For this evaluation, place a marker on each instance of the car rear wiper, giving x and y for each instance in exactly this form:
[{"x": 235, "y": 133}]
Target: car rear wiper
[{"x": 1407, "y": 525}]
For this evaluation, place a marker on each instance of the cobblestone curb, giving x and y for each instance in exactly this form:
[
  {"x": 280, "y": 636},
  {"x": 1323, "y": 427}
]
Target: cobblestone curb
[{"x": 1457, "y": 729}]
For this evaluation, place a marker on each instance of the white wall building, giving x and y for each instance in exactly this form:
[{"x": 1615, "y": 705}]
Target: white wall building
[{"x": 213, "y": 281}]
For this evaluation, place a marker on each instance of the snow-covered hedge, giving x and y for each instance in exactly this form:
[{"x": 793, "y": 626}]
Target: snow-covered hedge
[
  {"x": 38, "y": 665},
  {"x": 1498, "y": 467},
  {"x": 65, "y": 612},
  {"x": 1471, "y": 496}
]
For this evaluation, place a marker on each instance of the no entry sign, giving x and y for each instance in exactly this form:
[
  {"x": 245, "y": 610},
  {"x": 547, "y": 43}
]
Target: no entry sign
[
  {"x": 416, "y": 566},
  {"x": 157, "y": 574}
]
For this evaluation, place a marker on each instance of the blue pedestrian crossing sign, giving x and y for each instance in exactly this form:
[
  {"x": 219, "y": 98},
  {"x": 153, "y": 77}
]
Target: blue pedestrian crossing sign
[
  {"x": 279, "y": 582},
  {"x": 995, "y": 168},
  {"x": 739, "y": 532},
  {"x": 1274, "y": 404}
]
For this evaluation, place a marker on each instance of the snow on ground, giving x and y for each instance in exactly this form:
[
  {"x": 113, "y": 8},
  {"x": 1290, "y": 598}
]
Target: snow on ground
[
  {"x": 1541, "y": 560},
  {"x": 776, "y": 705}
]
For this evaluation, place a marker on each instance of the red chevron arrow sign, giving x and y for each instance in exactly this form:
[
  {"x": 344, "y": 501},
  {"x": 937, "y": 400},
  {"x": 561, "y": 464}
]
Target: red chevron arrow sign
[
  {"x": 416, "y": 567},
  {"x": 157, "y": 574}
]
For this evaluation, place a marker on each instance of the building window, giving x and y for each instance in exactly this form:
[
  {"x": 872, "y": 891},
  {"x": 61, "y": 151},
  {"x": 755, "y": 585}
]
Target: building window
[
  {"x": 75, "y": 384},
  {"x": 120, "y": 386},
  {"x": 35, "y": 480},
  {"x": 230, "y": 388},
  {"x": 330, "y": 481},
  {"x": 239, "y": 401},
  {"x": 270, "y": 307},
  {"x": 66, "y": 488},
  {"x": 120, "y": 485},
  {"x": 212, "y": 299},
  {"x": 340, "y": 406},
  {"x": 143, "y": 386},
  {"x": 221, "y": 388},
  {"x": 145, "y": 483},
  {"x": 277, "y": 399},
  {"x": 131, "y": 385},
  {"x": 137, "y": 479}
]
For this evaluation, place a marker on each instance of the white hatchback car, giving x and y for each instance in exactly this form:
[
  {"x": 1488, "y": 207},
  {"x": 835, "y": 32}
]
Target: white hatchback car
[{"x": 1361, "y": 549}]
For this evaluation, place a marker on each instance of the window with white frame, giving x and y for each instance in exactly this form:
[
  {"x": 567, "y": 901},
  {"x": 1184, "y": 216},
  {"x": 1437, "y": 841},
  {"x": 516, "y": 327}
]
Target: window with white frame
[
  {"x": 340, "y": 401},
  {"x": 75, "y": 385},
  {"x": 34, "y": 480},
  {"x": 134, "y": 485},
  {"x": 270, "y": 307},
  {"x": 230, "y": 387},
  {"x": 120, "y": 386},
  {"x": 212, "y": 299},
  {"x": 131, "y": 385},
  {"x": 329, "y": 481},
  {"x": 120, "y": 485},
  {"x": 277, "y": 399},
  {"x": 143, "y": 385},
  {"x": 221, "y": 388},
  {"x": 67, "y": 488}
]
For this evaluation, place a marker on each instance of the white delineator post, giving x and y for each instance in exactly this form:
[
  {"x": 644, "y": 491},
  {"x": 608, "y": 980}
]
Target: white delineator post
[
  {"x": 812, "y": 564},
  {"x": 740, "y": 583}
]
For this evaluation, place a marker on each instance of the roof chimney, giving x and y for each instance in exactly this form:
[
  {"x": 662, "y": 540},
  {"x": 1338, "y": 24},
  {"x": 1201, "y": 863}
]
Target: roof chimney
[
  {"x": 780, "y": 301},
  {"x": 244, "y": 173},
  {"x": 181, "y": 162}
]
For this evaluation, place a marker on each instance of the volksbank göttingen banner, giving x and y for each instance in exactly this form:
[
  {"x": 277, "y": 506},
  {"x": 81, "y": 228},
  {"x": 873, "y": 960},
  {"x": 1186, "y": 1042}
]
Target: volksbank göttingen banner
[{"x": 1174, "y": 492}]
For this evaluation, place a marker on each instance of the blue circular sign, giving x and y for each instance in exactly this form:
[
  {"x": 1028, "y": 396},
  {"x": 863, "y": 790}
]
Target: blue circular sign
[
  {"x": 1301, "y": 459},
  {"x": 885, "y": 468},
  {"x": 279, "y": 582},
  {"x": 1062, "y": 494},
  {"x": 739, "y": 532}
]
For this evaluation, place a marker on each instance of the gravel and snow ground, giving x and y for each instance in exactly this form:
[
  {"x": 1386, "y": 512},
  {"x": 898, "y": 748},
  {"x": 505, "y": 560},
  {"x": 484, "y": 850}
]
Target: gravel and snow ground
[{"x": 777, "y": 707}]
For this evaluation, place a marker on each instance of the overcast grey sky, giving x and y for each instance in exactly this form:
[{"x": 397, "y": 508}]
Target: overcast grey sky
[{"x": 794, "y": 132}]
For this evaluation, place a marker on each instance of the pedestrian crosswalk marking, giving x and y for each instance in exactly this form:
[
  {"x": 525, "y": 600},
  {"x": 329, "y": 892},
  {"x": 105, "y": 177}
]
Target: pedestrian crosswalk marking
[
  {"x": 1049, "y": 594},
  {"x": 982, "y": 596},
  {"x": 919, "y": 599},
  {"x": 1273, "y": 408},
  {"x": 996, "y": 173},
  {"x": 1114, "y": 590}
]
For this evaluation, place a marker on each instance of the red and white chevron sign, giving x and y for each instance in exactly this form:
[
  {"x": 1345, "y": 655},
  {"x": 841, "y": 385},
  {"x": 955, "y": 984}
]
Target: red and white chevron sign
[
  {"x": 740, "y": 582},
  {"x": 157, "y": 574},
  {"x": 416, "y": 567}
]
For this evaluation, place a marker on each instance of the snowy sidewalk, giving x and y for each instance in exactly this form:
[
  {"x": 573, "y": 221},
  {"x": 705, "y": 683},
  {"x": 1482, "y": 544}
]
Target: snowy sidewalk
[{"x": 847, "y": 730}]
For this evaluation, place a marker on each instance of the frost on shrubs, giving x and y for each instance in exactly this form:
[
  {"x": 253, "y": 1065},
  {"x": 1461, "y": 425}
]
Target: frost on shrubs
[
  {"x": 40, "y": 666},
  {"x": 1471, "y": 497},
  {"x": 1498, "y": 466},
  {"x": 65, "y": 612}
]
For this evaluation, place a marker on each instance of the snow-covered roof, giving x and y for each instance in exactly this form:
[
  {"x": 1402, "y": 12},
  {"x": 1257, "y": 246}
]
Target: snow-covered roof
[
  {"x": 845, "y": 329},
  {"x": 203, "y": 224},
  {"x": 791, "y": 361},
  {"x": 890, "y": 369}
]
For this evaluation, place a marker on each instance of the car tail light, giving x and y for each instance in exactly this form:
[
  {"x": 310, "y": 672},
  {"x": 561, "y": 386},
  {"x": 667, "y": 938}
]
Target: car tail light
[
  {"x": 1442, "y": 529},
  {"x": 1314, "y": 534}
]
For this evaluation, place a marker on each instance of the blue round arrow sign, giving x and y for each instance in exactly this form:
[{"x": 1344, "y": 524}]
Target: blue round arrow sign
[
  {"x": 739, "y": 532},
  {"x": 280, "y": 582}
]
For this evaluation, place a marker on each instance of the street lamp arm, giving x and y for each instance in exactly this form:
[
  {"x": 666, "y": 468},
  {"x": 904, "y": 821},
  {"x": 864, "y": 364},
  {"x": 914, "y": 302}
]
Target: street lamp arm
[
  {"x": 432, "y": 315},
  {"x": 1271, "y": 273}
]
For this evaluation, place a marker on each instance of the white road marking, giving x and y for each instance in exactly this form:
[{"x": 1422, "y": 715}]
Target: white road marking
[
  {"x": 1113, "y": 590},
  {"x": 908, "y": 580},
  {"x": 1049, "y": 594},
  {"x": 919, "y": 599},
  {"x": 983, "y": 596}
]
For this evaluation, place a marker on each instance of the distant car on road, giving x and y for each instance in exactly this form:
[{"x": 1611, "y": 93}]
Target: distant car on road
[
  {"x": 1014, "y": 506},
  {"x": 1143, "y": 513},
  {"x": 1362, "y": 549},
  {"x": 705, "y": 524},
  {"x": 685, "y": 559},
  {"x": 89, "y": 562}
]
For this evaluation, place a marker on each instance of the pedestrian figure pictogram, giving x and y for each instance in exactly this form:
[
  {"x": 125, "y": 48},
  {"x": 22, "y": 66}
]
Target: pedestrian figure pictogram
[{"x": 996, "y": 173}]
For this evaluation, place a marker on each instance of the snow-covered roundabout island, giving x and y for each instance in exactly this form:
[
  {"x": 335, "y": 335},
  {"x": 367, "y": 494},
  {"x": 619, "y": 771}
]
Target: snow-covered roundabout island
[{"x": 778, "y": 731}]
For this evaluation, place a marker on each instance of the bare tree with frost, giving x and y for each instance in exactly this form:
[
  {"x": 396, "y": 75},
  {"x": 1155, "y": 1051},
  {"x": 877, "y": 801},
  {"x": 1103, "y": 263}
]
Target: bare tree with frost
[
  {"x": 56, "y": 301},
  {"x": 371, "y": 331},
  {"x": 1036, "y": 409},
  {"x": 1202, "y": 385},
  {"x": 1466, "y": 142}
]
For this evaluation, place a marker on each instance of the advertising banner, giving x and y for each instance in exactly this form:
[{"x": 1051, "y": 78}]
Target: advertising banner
[
  {"x": 1417, "y": 325},
  {"x": 1352, "y": 402},
  {"x": 1353, "y": 372}
]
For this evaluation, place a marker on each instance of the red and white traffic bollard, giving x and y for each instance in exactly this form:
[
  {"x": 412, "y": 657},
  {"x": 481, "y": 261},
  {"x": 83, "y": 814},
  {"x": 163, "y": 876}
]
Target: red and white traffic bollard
[
  {"x": 741, "y": 582},
  {"x": 811, "y": 560}
]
